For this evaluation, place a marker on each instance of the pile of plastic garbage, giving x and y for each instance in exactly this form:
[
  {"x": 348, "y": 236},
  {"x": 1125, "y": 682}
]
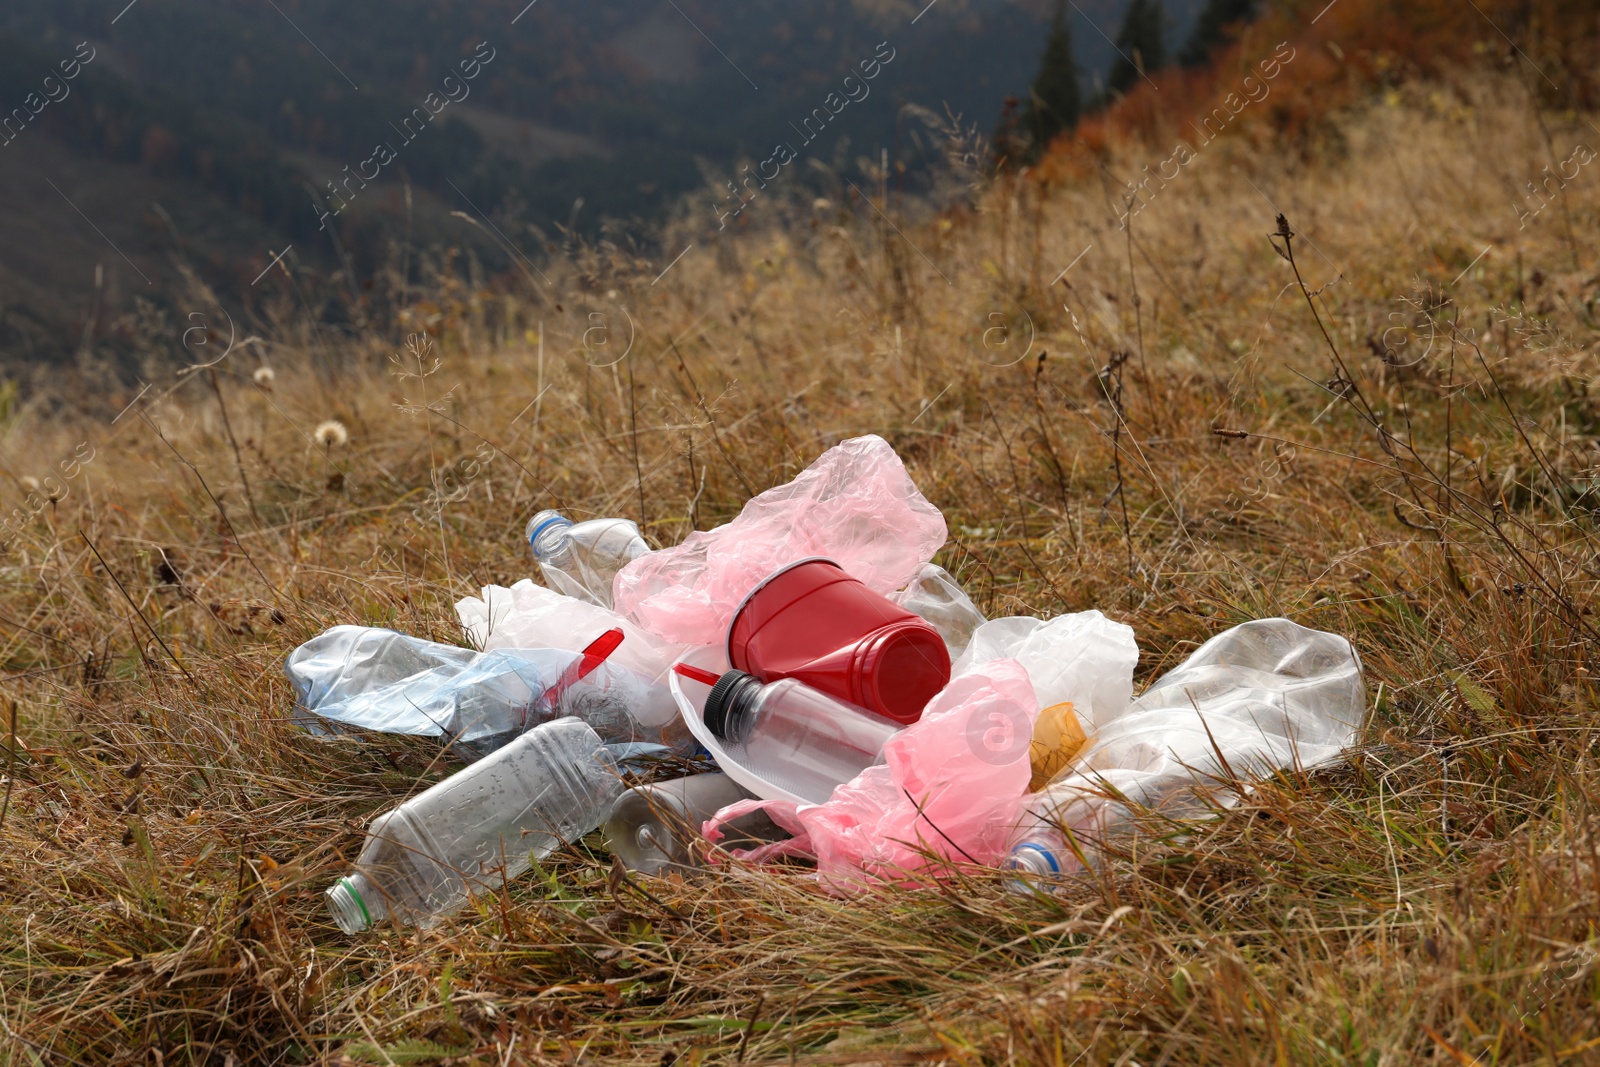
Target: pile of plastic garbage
[{"x": 858, "y": 709}]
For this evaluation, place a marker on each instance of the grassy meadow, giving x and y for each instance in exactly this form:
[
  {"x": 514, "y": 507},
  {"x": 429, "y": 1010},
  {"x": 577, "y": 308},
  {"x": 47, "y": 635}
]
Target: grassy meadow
[{"x": 1373, "y": 416}]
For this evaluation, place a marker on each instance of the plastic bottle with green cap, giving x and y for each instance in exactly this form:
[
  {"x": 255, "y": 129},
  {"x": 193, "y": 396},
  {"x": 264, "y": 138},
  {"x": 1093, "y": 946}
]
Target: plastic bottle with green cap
[
  {"x": 582, "y": 559},
  {"x": 481, "y": 826}
]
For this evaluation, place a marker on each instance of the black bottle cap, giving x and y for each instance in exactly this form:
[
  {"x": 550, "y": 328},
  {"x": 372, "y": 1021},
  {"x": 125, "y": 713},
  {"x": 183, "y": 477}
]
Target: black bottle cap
[{"x": 728, "y": 699}]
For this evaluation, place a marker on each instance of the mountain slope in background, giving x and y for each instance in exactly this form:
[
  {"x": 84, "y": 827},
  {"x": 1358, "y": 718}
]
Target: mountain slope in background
[{"x": 220, "y": 132}]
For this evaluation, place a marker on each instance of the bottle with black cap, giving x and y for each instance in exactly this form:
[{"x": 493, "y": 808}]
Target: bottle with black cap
[{"x": 795, "y": 737}]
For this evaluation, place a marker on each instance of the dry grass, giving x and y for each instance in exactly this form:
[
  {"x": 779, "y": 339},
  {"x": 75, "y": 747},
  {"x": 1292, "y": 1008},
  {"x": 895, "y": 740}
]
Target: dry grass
[{"x": 167, "y": 832}]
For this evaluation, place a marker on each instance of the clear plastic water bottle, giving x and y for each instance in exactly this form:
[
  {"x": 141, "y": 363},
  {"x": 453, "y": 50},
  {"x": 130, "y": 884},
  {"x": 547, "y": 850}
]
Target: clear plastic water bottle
[
  {"x": 1041, "y": 849},
  {"x": 1042, "y": 855},
  {"x": 489, "y": 822},
  {"x": 582, "y": 559},
  {"x": 1102, "y": 810},
  {"x": 793, "y": 736},
  {"x": 652, "y": 827}
]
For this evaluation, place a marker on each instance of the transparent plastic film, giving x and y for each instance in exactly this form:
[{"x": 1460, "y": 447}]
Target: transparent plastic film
[
  {"x": 856, "y": 505},
  {"x": 937, "y": 597},
  {"x": 1266, "y": 696}
]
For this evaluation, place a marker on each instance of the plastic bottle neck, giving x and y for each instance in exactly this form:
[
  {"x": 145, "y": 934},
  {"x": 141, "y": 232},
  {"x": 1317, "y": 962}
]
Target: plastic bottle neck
[
  {"x": 354, "y": 904},
  {"x": 1035, "y": 858},
  {"x": 731, "y": 706},
  {"x": 546, "y": 532}
]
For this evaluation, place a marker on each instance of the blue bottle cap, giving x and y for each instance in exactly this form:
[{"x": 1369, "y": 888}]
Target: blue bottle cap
[{"x": 552, "y": 521}]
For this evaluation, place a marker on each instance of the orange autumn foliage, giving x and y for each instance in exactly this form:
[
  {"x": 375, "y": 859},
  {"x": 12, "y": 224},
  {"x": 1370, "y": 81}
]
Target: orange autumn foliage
[{"x": 1341, "y": 52}]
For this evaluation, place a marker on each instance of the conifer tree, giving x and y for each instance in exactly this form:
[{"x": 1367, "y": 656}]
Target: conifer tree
[
  {"x": 1010, "y": 144},
  {"x": 1141, "y": 43},
  {"x": 1211, "y": 29},
  {"x": 1053, "y": 101}
]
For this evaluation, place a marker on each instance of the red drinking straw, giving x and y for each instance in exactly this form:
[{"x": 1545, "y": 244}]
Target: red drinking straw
[
  {"x": 702, "y": 676},
  {"x": 598, "y": 651}
]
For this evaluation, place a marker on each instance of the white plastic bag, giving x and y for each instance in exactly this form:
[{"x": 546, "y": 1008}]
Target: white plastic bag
[
  {"x": 531, "y": 616},
  {"x": 1084, "y": 658}
]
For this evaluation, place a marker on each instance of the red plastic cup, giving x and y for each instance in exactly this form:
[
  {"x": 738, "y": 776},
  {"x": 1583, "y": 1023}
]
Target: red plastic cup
[{"x": 812, "y": 622}]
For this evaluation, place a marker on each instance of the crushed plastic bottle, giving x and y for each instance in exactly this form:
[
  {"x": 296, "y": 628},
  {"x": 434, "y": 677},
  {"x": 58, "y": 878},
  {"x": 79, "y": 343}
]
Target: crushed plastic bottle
[
  {"x": 935, "y": 595},
  {"x": 582, "y": 560},
  {"x": 1097, "y": 815},
  {"x": 798, "y": 738},
  {"x": 481, "y": 826},
  {"x": 652, "y": 827},
  {"x": 477, "y": 701},
  {"x": 344, "y": 660},
  {"x": 1265, "y": 696}
]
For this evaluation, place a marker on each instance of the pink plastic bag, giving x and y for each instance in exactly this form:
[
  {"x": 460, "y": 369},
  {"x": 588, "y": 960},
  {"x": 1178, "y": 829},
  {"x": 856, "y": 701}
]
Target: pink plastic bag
[
  {"x": 855, "y": 505},
  {"x": 953, "y": 785}
]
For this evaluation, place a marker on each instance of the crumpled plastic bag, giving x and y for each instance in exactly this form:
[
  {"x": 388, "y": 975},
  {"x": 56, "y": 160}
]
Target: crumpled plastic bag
[
  {"x": 855, "y": 505},
  {"x": 1083, "y": 658},
  {"x": 357, "y": 676},
  {"x": 1265, "y": 696},
  {"x": 938, "y": 598},
  {"x": 530, "y": 616},
  {"x": 952, "y": 784}
]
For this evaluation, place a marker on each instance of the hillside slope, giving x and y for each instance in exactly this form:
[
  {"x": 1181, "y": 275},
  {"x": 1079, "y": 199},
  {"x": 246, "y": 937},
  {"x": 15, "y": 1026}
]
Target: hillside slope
[
  {"x": 280, "y": 122},
  {"x": 1345, "y": 376}
]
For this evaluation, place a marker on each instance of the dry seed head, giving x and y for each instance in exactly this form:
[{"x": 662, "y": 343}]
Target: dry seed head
[
  {"x": 30, "y": 483},
  {"x": 263, "y": 377},
  {"x": 331, "y": 434}
]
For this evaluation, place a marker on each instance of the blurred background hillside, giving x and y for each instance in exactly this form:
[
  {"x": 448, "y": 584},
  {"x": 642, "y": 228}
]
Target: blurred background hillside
[
  {"x": 202, "y": 135},
  {"x": 1282, "y": 308}
]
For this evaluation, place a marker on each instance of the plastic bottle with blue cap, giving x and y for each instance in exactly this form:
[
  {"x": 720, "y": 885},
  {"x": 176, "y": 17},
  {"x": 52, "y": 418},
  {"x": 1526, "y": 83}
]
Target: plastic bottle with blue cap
[
  {"x": 1040, "y": 858},
  {"x": 582, "y": 559}
]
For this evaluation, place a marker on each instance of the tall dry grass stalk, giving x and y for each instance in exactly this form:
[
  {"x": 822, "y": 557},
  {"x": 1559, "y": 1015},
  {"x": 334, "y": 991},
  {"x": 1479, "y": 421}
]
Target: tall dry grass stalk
[{"x": 1398, "y": 445}]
